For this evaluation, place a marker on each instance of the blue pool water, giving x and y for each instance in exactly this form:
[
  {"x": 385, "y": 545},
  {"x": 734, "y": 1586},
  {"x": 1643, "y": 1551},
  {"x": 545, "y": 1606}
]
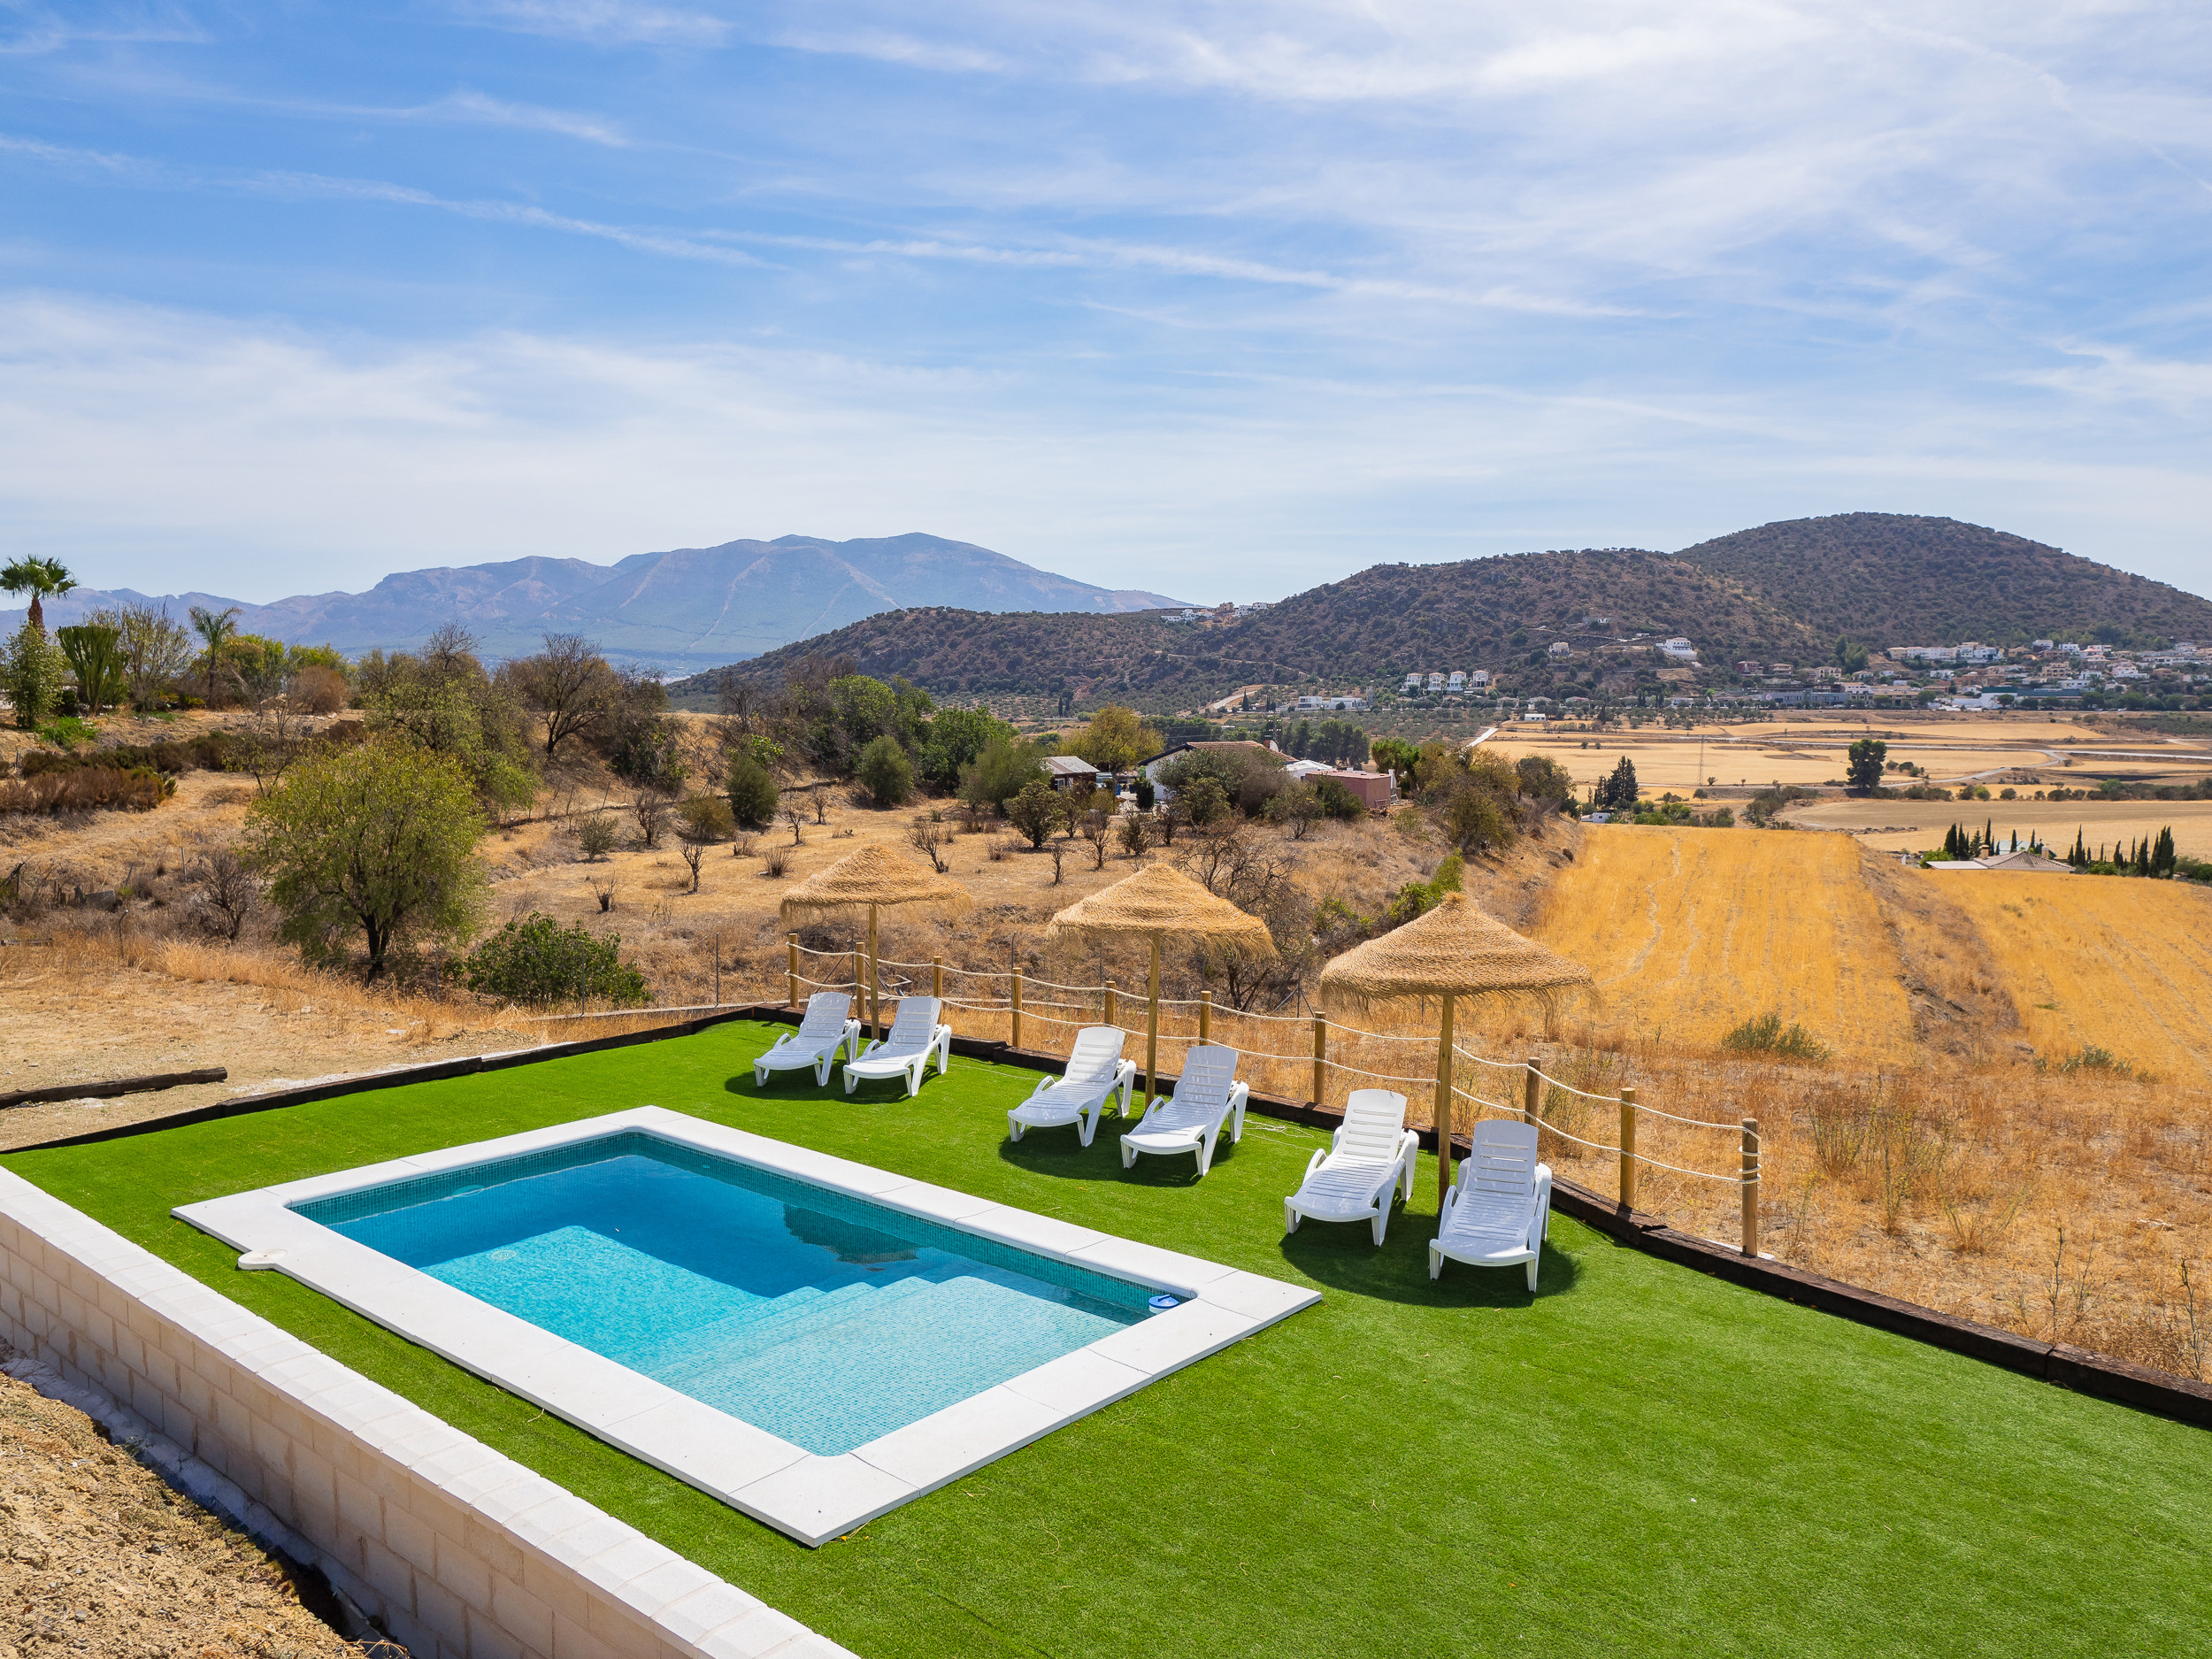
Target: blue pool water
[{"x": 823, "y": 1319}]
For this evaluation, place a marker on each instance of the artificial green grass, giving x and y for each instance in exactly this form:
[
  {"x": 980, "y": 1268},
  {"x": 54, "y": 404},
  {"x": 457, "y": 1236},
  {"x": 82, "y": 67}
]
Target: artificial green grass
[{"x": 1640, "y": 1460}]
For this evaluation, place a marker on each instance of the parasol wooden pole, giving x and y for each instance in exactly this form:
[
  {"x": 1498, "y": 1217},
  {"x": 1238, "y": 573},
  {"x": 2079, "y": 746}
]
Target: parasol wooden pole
[
  {"x": 1444, "y": 1108},
  {"x": 875, "y": 978},
  {"x": 1152, "y": 1029}
]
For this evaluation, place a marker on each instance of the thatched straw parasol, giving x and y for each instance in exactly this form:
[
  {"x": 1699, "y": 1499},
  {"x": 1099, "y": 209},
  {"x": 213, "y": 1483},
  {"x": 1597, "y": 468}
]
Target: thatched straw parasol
[
  {"x": 874, "y": 876},
  {"x": 1158, "y": 900},
  {"x": 1453, "y": 951}
]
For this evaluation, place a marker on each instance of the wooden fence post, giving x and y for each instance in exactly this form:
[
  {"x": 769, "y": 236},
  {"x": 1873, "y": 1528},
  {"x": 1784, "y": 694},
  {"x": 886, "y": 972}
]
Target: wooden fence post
[
  {"x": 1320, "y": 1057},
  {"x": 1532, "y": 1095},
  {"x": 1628, "y": 1149},
  {"x": 791, "y": 968},
  {"x": 937, "y": 978},
  {"x": 1017, "y": 1040},
  {"x": 1751, "y": 1187},
  {"x": 1111, "y": 1011},
  {"x": 1205, "y": 1017}
]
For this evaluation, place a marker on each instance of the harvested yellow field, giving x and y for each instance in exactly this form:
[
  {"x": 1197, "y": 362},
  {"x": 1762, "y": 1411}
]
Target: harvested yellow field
[
  {"x": 2124, "y": 965},
  {"x": 1690, "y": 932},
  {"x": 1919, "y": 825}
]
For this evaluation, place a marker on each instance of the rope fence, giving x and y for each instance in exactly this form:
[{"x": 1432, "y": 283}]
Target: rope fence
[{"x": 1338, "y": 1063}]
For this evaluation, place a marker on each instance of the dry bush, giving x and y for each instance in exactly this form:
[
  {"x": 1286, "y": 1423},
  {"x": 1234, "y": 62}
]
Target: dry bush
[
  {"x": 320, "y": 690},
  {"x": 140, "y": 789},
  {"x": 774, "y": 861}
]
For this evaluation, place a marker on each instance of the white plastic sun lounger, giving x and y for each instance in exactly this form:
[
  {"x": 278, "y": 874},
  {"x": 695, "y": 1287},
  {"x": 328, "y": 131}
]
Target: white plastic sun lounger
[
  {"x": 1096, "y": 1073},
  {"x": 915, "y": 1036},
  {"x": 1369, "y": 1158},
  {"x": 1499, "y": 1208},
  {"x": 824, "y": 1029},
  {"x": 1206, "y": 1095}
]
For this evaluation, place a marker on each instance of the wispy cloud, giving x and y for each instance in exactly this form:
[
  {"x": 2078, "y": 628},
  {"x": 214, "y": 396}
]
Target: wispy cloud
[{"x": 624, "y": 22}]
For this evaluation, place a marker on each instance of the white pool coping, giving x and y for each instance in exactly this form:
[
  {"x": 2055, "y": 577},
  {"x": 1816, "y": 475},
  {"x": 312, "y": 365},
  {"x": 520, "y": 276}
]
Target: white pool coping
[{"x": 812, "y": 1497}]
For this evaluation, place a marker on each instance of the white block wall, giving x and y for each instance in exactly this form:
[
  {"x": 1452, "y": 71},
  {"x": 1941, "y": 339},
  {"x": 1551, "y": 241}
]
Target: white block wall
[{"x": 456, "y": 1550}]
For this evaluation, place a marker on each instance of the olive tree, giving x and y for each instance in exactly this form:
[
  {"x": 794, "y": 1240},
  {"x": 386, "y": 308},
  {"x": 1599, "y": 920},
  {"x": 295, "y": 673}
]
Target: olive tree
[{"x": 382, "y": 839}]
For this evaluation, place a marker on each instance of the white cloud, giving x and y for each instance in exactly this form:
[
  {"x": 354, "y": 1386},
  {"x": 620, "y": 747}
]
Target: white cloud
[{"x": 620, "y": 22}]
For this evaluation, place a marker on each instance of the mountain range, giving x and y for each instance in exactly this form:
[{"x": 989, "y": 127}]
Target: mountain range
[
  {"x": 1783, "y": 592},
  {"x": 684, "y": 609}
]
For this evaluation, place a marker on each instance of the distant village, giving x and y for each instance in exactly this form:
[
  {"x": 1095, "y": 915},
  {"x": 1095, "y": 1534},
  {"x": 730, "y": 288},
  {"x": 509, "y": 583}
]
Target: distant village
[{"x": 2047, "y": 674}]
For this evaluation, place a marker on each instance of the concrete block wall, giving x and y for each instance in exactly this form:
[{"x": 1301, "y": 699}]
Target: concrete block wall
[{"x": 457, "y": 1551}]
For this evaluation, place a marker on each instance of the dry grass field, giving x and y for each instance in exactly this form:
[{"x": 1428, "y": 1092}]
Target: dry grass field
[
  {"x": 2120, "y": 965},
  {"x": 1689, "y": 933},
  {"x": 1919, "y": 825}
]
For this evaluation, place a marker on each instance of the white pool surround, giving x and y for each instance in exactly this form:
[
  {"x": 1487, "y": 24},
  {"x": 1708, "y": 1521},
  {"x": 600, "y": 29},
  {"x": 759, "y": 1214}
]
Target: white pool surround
[{"x": 812, "y": 1497}]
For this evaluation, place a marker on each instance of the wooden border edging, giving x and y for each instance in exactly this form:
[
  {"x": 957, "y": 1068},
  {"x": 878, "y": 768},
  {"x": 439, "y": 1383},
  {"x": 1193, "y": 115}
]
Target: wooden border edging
[
  {"x": 2056, "y": 1363},
  {"x": 111, "y": 1087}
]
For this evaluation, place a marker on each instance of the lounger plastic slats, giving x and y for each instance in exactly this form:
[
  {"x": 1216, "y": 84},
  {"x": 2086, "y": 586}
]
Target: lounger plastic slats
[
  {"x": 1095, "y": 1070},
  {"x": 1207, "y": 1093},
  {"x": 825, "y": 1029},
  {"x": 1499, "y": 1210},
  {"x": 915, "y": 1036},
  {"x": 1371, "y": 1156}
]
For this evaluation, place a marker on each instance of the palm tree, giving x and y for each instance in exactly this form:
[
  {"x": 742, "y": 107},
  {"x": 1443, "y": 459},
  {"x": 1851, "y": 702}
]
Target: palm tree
[
  {"x": 216, "y": 627},
  {"x": 38, "y": 578}
]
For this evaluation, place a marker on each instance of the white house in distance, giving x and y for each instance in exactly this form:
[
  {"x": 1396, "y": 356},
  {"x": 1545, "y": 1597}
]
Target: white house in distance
[
  {"x": 1353, "y": 700},
  {"x": 1559, "y": 648},
  {"x": 1413, "y": 683},
  {"x": 1436, "y": 683},
  {"x": 1479, "y": 679},
  {"x": 1457, "y": 682},
  {"x": 1680, "y": 650}
]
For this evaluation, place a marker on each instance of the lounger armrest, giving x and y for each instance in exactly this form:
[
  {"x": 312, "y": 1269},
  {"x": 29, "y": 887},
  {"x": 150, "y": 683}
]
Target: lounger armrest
[
  {"x": 1044, "y": 1084},
  {"x": 1314, "y": 1163},
  {"x": 781, "y": 1042},
  {"x": 1540, "y": 1213},
  {"x": 1337, "y": 1139}
]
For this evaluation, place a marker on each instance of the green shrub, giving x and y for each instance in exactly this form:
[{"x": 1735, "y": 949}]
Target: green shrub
[
  {"x": 536, "y": 961},
  {"x": 706, "y": 817},
  {"x": 2089, "y": 1057},
  {"x": 752, "y": 792},
  {"x": 67, "y": 731},
  {"x": 1766, "y": 1034},
  {"x": 884, "y": 772},
  {"x": 1036, "y": 811},
  {"x": 595, "y": 838},
  {"x": 32, "y": 670}
]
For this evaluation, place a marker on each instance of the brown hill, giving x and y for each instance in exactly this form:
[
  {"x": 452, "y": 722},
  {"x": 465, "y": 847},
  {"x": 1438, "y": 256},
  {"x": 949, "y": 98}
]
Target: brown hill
[
  {"x": 1375, "y": 627},
  {"x": 1888, "y": 579}
]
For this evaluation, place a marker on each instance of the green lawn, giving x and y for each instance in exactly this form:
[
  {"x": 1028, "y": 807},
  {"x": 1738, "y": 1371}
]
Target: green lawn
[{"x": 1641, "y": 1460}]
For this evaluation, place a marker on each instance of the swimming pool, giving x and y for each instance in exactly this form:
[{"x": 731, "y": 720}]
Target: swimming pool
[
  {"x": 812, "y": 1340},
  {"x": 820, "y": 1317}
]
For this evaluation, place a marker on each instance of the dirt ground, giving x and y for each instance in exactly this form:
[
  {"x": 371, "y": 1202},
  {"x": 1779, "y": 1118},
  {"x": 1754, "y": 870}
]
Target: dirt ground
[{"x": 99, "y": 1556}]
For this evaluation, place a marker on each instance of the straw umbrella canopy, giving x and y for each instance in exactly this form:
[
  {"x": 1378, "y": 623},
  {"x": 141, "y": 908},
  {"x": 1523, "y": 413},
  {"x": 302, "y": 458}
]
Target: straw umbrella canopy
[
  {"x": 873, "y": 877},
  {"x": 1158, "y": 900},
  {"x": 1455, "y": 950}
]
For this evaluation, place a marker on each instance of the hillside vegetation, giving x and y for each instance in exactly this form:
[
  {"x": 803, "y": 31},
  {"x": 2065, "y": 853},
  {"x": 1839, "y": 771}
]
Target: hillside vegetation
[
  {"x": 1890, "y": 579},
  {"x": 1378, "y": 623},
  {"x": 1783, "y": 592}
]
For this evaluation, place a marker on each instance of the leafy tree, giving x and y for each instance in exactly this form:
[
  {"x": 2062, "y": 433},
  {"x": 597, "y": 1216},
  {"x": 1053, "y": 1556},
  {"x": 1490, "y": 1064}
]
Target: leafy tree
[
  {"x": 885, "y": 772},
  {"x": 1203, "y": 801},
  {"x": 215, "y": 629},
  {"x": 1542, "y": 778},
  {"x": 752, "y": 792},
  {"x": 96, "y": 657},
  {"x": 1298, "y": 806},
  {"x": 40, "y": 579},
  {"x": 535, "y": 961},
  {"x": 1035, "y": 811},
  {"x": 1477, "y": 818},
  {"x": 1338, "y": 802},
  {"x": 1395, "y": 755},
  {"x": 1850, "y": 656},
  {"x": 379, "y": 838},
  {"x": 1116, "y": 739},
  {"x": 442, "y": 700},
  {"x": 33, "y": 671},
  {"x": 957, "y": 738},
  {"x": 1006, "y": 766},
  {"x": 1863, "y": 768},
  {"x": 156, "y": 648},
  {"x": 1619, "y": 791}
]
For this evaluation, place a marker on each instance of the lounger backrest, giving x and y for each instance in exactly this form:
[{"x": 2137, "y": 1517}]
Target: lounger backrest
[
  {"x": 1497, "y": 1182},
  {"x": 1097, "y": 1052},
  {"x": 916, "y": 1025},
  {"x": 825, "y": 1014},
  {"x": 1203, "y": 1088},
  {"x": 1374, "y": 1118}
]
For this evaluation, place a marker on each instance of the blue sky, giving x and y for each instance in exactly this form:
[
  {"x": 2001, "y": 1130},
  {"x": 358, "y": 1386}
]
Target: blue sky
[{"x": 1219, "y": 299}]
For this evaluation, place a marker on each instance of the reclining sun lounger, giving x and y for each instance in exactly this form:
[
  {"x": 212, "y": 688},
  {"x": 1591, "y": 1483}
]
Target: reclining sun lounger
[
  {"x": 1205, "y": 1094},
  {"x": 1095, "y": 1073},
  {"x": 1368, "y": 1159},
  {"x": 1499, "y": 1208},
  {"x": 915, "y": 1036},
  {"x": 820, "y": 1035}
]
